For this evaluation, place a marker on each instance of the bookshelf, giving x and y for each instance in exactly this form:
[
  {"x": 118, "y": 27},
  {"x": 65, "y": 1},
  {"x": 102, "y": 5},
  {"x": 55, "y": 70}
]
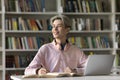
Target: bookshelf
[
  {"x": 16, "y": 30},
  {"x": 117, "y": 21}
]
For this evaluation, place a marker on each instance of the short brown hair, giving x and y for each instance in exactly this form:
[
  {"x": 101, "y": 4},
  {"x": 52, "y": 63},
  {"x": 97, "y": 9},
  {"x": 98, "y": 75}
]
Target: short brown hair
[{"x": 67, "y": 22}]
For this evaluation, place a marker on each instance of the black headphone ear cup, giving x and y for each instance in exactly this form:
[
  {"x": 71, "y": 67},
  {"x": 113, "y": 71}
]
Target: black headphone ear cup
[{"x": 62, "y": 46}]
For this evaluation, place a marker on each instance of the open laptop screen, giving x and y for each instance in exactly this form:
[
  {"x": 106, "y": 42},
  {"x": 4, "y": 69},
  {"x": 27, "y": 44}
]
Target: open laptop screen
[{"x": 99, "y": 64}]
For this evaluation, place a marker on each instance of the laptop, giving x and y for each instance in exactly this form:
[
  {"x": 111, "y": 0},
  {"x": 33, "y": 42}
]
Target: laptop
[{"x": 99, "y": 65}]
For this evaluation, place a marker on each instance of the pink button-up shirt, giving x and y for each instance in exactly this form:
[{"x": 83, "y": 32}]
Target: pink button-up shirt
[{"x": 52, "y": 58}]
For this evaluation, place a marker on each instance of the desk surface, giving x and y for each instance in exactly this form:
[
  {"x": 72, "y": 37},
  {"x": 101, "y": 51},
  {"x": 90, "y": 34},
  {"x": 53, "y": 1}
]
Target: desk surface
[{"x": 19, "y": 77}]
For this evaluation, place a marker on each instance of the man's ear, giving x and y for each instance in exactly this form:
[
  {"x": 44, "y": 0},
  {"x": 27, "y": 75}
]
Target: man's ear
[{"x": 67, "y": 30}]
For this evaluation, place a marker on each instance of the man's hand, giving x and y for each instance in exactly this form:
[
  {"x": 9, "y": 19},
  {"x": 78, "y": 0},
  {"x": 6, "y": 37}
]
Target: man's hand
[
  {"x": 68, "y": 70},
  {"x": 41, "y": 71}
]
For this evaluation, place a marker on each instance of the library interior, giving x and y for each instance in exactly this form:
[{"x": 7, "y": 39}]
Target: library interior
[{"x": 25, "y": 27}]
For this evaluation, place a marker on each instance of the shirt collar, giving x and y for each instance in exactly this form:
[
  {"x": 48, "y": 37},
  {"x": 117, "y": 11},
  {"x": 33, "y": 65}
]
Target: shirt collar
[{"x": 58, "y": 46}]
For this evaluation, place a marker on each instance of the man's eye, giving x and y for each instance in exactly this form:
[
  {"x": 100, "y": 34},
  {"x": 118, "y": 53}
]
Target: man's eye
[{"x": 59, "y": 26}]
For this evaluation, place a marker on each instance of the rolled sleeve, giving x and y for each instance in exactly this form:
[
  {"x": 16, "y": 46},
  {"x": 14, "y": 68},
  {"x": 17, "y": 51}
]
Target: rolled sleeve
[
  {"x": 82, "y": 63},
  {"x": 30, "y": 71},
  {"x": 35, "y": 64}
]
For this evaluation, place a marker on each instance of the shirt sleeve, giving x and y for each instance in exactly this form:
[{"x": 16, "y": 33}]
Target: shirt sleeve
[
  {"x": 36, "y": 63},
  {"x": 82, "y": 61}
]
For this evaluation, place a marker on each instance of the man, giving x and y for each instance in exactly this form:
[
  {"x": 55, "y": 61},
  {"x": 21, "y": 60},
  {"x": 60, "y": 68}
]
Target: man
[{"x": 59, "y": 55}]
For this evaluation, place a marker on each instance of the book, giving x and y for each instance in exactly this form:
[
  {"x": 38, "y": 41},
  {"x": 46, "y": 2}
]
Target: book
[
  {"x": 79, "y": 6},
  {"x": 83, "y": 6},
  {"x": 75, "y": 6},
  {"x": 52, "y": 75},
  {"x": 10, "y": 62},
  {"x": 43, "y": 9}
]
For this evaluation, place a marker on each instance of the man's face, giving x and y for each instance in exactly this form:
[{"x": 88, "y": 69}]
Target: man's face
[{"x": 58, "y": 29}]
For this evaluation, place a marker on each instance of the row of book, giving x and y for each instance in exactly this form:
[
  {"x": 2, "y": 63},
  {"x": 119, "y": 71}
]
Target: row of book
[
  {"x": 68, "y": 5},
  {"x": 88, "y": 24},
  {"x": 90, "y": 42},
  {"x": 36, "y": 42},
  {"x": 18, "y": 61},
  {"x": 84, "y": 6},
  {"x": 21, "y": 23},
  {"x": 24, "y": 42},
  {"x": 25, "y": 5}
]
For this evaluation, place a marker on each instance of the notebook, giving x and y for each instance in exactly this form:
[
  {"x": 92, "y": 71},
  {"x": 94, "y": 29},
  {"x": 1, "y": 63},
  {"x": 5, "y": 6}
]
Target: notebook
[{"x": 99, "y": 65}]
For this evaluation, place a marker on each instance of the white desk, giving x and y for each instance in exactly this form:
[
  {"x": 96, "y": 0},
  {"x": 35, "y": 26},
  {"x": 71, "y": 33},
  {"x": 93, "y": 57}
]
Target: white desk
[{"x": 19, "y": 77}]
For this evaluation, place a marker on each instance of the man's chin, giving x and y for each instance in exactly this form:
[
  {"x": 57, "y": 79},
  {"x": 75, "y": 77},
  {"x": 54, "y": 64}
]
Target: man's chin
[{"x": 56, "y": 36}]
